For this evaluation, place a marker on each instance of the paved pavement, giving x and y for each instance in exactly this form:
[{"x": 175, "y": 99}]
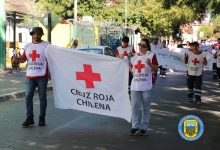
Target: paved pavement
[
  {"x": 71, "y": 129},
  {"x": 12, "y": 84}
]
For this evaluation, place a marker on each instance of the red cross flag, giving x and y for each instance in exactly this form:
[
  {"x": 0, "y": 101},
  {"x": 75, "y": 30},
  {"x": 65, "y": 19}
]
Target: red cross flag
[{"x": 89, "y": 82}]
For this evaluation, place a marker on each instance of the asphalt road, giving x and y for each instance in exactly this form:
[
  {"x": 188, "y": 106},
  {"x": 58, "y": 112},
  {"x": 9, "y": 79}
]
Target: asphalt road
[{"x": 71, "y": 129}]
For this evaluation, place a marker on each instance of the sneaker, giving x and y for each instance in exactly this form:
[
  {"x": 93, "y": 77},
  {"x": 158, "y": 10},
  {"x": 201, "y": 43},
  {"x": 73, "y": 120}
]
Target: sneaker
[
  {"x": 41, "y": 121},
  {"x": 133, "y": 131},
  {"x": 189, "y": 100},
  {"x": 198, "y": 102},
  {"x": 142, "y": 133},
  {"x": 28, "y": 122},
  {"x": 164, "y": 76}
]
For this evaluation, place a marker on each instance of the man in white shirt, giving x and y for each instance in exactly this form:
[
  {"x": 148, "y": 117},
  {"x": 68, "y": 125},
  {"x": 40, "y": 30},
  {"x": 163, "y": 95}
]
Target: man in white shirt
[{"x": 36, "y": 76}]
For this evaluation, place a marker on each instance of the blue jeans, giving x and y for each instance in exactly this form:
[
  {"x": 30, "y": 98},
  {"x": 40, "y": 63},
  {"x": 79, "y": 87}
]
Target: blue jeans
[
  {"x": 139, "y": 98},
  {"x": 31, "y": 84}
]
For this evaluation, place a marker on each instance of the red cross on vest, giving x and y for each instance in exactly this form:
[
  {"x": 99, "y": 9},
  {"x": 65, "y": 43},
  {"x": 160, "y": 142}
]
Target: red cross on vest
[
  {"x": 88, "y": 76},
  {"x": 139, "y": 66},
  {"x": 125, "y": 53},
  {"x": 195, "y": 61},
  {"x": 34, "y": 55}
]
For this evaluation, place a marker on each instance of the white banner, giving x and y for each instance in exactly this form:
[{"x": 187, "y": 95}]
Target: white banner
[
  {"x": 173, "y": 60},
  {"x": 89, "y": 82}
]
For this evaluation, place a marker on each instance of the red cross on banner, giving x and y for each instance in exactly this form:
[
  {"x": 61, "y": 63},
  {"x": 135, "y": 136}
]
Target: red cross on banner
[
  {"x": 195, "y": 61},
  {"x": 88, "y": 76},
  {"x": 34, "y": 55},
  {"x": 139, "y": 66}
]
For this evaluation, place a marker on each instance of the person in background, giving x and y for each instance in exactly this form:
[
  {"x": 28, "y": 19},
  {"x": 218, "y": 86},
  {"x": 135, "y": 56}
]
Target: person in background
[
  {"x": 155, "y": 44},
  {"x": 195, "y": 60},
  {"x": 217, "y": 57},
  {"x": 187, "y": 45},
  {"x": 36, "y": 75},
  {"x": 172, "y": 45},
  {"x": 125, "y": 51},
  {"x": 75, "y": 44},
  {"x": 214, "y": 61},
  {"x": 143, "y": 67}
]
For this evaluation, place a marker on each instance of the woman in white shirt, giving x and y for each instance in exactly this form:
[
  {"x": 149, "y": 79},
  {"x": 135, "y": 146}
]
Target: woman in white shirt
[{"x": 143, "y": 66}]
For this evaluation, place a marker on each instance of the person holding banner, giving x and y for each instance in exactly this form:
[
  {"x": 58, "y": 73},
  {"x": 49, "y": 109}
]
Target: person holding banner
[
  {"x": 125, "y": 52},
  {"x": 156, "y": 45},
  {"x": 195, "y": 60},
  {"x": 217, "y": 56},
  {"x": 214, "y": 61},
  {"x": 36, "y": 76},
  {"x": 144, "y": 65}
]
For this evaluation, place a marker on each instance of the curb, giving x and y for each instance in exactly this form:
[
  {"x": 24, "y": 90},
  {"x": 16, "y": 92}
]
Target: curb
[
  {"x": 5, "y": 72},
  {"x": 18, "y": 94}
]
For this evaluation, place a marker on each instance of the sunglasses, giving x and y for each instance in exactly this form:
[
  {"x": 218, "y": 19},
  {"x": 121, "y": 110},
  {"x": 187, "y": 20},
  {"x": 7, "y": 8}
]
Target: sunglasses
[{"x": 142, "y": 45}]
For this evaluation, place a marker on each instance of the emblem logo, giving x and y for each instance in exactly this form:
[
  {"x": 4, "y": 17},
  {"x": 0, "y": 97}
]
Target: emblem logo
[{"x": 191, "y": 128}]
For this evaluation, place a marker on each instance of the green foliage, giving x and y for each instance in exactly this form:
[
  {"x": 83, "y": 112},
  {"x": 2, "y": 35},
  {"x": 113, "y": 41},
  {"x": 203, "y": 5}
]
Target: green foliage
[
  {"x": 216, "y": 26},
  {"x": 161, "y": 17},
  {"x": 207, "y": 32}
]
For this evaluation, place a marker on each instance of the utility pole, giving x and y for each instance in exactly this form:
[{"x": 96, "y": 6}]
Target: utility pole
[
  {"x": 49, "y": 27},
  {"x": 14, "y": 31},
  {"x": 126, "y": 13},
  {"x": 2, "y": 34},
  {"x": 75, "y": 19}
]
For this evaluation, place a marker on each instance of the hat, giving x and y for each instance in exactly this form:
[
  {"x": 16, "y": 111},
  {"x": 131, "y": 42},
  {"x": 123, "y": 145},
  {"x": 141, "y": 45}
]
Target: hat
[{"x": 38, "y": 30}]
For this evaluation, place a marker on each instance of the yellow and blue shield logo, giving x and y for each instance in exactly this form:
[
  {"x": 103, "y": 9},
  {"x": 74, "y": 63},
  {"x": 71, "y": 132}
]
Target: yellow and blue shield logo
[{"x": 191, "y": 128}]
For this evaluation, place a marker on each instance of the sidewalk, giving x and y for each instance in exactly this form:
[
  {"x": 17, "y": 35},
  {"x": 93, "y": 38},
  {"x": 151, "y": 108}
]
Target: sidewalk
[{"x": 12, "y": 84}]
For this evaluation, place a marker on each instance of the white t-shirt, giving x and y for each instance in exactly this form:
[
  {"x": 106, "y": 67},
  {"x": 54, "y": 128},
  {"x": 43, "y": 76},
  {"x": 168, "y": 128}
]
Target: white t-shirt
[
  {"x": 124, "y": 52},
  {"x": 195, "y": 64},
  {"x": 142, "y": 74},
  {"x": 37, "y": 63}
]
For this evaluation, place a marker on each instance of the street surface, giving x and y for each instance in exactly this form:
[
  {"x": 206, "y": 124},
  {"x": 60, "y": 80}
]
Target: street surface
[{"x": 71, "y": 129}]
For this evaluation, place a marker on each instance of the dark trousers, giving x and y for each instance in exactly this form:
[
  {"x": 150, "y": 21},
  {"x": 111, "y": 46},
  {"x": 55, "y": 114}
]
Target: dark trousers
[
  {"x": 31, "y": 84},
  {"x": 214, "y": 70},
  {"x": 130, "y": 77},
  {"x": 218, "y": 74},
  {"x": 194, "y": 87},
  {"x": 162, "y": 70}
]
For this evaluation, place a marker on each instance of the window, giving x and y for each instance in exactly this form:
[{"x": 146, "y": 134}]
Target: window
[{"x": 109, "y": 52}]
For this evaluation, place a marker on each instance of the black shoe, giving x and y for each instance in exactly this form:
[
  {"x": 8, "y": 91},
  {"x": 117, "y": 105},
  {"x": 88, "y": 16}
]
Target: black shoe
[
  {"x": 28, "y": 122},
  {"x": 142, "y": 133},
  {"x": 189, "y": 100},
  {"x": 133, "y": 131},
  {"x": 198, "y": 102},
  {"x": 41, "y": 121}
]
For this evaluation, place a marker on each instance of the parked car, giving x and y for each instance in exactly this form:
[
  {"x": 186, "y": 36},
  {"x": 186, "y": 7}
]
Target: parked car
[{"x": 103, "y": 50}]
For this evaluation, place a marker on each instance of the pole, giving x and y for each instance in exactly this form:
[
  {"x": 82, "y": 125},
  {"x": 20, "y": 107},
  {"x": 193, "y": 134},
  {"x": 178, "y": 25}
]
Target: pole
[
  {"x": 2, "y": 34},
  {"x": 75, "y": 19},
  {"x": 49, "y": 28},
  {"x": 126, "y": 13},
  {"x": 14, "y": 31}
]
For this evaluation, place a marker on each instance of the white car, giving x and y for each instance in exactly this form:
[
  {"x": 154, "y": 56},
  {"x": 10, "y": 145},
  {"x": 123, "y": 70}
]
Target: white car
[{"x": 103, "y": 50}]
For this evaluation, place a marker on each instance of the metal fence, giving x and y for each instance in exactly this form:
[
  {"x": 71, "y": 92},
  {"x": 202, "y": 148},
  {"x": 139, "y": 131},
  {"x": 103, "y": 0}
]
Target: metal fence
[{"x": 90, "y": 35}]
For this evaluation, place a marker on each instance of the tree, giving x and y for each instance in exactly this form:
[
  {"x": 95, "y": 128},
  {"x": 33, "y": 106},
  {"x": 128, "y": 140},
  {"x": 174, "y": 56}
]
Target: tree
[
  {"x": 216, "y": 26},
  {"x": 205, "y": 32}
]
